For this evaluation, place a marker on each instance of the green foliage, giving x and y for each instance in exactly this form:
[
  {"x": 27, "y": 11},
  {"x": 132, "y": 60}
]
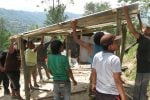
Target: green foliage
[
  {"x": 127, "y": 0},
  {"x": 4, "y": 35},
  {"x": 144, "y": 8},
  {"x": 56, "y": 15},
  {"x": 91, "y": 7},
  {"x": 131, "y": 74},
  {"x": 132, "y": 1},
  {"x": 131, "y": 53},
  {"x": 20, "y": 21},
  {"x": 32, "y": 27},
  {"x": 54, "y": 3},
  {"x": 144, "y": 4},
  {"x": 130, "y": 62}
]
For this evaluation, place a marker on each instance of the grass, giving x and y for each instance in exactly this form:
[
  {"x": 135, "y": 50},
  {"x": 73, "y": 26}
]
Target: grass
[{"x": 129, "y": 61}]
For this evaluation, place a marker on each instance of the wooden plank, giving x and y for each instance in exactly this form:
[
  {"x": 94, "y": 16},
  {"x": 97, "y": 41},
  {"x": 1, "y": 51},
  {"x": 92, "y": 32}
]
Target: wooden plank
[{"x": 25, "y": 71}]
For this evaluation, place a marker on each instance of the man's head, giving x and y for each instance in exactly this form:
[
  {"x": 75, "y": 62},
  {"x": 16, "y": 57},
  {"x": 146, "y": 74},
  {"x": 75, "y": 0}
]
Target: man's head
[
  {"x": 56, "y": 47},
  {"x": 30, "y": 44},
  {"x": 110, "y": 42},
  {"x": 3, "y": 54},
  {"x": 97, "y": 37},
  {"x": 146, "y": 29}
]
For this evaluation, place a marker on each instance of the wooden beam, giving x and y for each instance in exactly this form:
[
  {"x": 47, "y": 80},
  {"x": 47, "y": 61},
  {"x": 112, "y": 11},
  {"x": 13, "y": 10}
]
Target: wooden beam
[
  {"x": 124, "y": 37},
  {"x": 25, "y": 71},
  {"x": 118, "y": 30}
]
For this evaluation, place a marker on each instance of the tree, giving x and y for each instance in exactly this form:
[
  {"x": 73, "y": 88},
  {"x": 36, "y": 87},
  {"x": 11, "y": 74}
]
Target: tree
[
  {"x": 132, "y": 1},
  {"x": 145, "y": 4},
  {"x": 51, "y": 3},
  {"x": 32, "y": 27},
  {"x": 91, "y": 7},
  {"x": 4, "y": 35},
  {"x": 56, "y": 15}
]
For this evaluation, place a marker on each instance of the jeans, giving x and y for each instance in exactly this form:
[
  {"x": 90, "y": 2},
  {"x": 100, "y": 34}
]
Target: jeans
[
  {"x": 141, "y": 84},
  {"x": 62, "y": 89}
]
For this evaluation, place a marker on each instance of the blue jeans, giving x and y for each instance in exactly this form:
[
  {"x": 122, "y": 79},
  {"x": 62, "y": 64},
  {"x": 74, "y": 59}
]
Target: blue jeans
[{"x": 62, "y": 89}]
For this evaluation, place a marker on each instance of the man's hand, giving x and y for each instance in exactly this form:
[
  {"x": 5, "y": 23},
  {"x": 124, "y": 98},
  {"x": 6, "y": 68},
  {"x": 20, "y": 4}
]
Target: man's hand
[
  {"x": 74, "y": 24},
  {"x": 93, "y": 88},
  {"x": 12, "y": 39},
  {"x": 74, "y": 82},
  {"x": 2, "y": 69},
  {"x": 125, "y": 9}
]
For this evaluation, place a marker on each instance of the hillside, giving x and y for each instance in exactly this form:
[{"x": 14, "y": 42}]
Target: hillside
[{"x": 21, "y": 21}]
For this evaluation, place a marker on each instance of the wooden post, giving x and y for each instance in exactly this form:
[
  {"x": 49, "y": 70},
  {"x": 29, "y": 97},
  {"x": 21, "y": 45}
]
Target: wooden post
[
  {"x": 23, "y": 65},
  {"x": 124, "y": 35},
  {"x": 66, "y": 37},
  {"x": 118, "y": 31}
]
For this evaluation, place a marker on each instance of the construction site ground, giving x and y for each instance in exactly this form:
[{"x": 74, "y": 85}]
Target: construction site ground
[
  {"x": 79, "y": 92},
  {"x": 45, "y": 91}
]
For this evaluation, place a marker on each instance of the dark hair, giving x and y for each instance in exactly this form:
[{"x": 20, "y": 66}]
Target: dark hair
[
  {"x": 106, "y": 40},
  {"x": 97, "y": 37},
  {"x": 29, "y": 42},
  {"x": 3, "y": 54},
  {"x": 55, "y": 46}
]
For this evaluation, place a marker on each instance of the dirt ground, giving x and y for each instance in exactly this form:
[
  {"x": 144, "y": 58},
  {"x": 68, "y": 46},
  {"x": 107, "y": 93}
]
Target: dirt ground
[
  {"x": 45, "y": 91},
  {"x": 79, "y": 92}
]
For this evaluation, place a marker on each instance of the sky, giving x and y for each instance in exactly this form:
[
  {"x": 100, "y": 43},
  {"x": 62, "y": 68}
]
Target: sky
[{"x": 31, "y": 5}]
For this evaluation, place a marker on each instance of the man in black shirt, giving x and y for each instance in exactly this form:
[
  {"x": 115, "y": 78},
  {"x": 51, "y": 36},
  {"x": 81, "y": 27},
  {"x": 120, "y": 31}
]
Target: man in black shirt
[
  {"x": 143, "y": 57},
  {"x": 3, "y": 76}
]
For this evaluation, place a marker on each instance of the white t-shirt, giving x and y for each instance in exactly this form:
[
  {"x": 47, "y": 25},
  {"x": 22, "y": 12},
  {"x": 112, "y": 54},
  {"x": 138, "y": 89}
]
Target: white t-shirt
[{"x": 106, "y": 64}]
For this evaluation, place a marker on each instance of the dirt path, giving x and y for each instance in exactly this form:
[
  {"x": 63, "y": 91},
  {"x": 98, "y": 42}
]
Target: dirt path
[{"x": 45, "y": 91}]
